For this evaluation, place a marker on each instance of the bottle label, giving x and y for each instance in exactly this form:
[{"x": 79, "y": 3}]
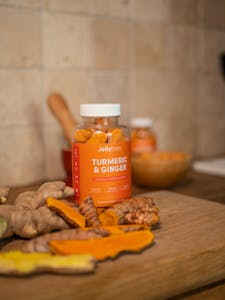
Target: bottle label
[
  {"x": 102, "y": 171},
  {"x": 143, "y": 145}
]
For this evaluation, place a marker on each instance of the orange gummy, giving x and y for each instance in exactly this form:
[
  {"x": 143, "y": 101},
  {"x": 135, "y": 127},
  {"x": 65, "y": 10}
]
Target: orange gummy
[
  {"x": 98, "y": 137},
  {"x": 116, "y": 135},
  {"x": 82, "y": 135}
]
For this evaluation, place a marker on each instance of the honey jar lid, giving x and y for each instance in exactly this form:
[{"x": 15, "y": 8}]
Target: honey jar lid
[
  {"x": 141, "y": 122},
  {"x": 100, "y": 110}
]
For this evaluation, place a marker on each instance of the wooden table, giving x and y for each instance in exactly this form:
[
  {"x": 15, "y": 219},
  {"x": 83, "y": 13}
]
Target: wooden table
[{"x": 195, "y": 272}]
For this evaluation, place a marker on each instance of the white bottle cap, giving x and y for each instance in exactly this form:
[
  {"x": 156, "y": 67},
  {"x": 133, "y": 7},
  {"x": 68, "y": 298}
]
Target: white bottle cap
[
  {"x": 141, "y": 122},
  {"x": 100, "y": 110}
]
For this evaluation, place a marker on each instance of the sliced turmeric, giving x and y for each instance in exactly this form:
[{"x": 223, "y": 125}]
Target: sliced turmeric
[
  {"x": 18, "y": 263},
  {"x": 69, "y": 213},
  {"x": 102, "y": 248}
]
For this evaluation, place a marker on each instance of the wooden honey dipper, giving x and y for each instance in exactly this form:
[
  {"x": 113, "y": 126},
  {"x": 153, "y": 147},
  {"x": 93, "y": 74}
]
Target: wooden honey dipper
[{"x": 60, "y": 110}]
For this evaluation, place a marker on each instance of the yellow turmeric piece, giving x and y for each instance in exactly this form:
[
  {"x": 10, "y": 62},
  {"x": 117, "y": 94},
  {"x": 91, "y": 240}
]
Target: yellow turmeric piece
[
  {"x": 69, "y": 213},
  {"x": 107, "y": 247},
  {"x": 19, "y": 263},
  {"x": 82, "y": 135},
  {"x": 97, "y": 137},
  {"x": 116, "y": 135}
]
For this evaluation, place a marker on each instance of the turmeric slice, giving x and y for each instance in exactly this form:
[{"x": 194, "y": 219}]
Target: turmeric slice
[
  {"x": 82, "y": 135},
  {"x": 97, "y": 137},
  {"x": 107, "y": 247},
  {"x": 69, "y": 213},
  {"x": 19, "y": 263}
]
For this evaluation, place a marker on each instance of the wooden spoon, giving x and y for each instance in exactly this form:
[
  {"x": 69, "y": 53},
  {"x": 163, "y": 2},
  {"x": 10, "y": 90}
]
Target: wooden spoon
[{"x": 60, "y": 110}]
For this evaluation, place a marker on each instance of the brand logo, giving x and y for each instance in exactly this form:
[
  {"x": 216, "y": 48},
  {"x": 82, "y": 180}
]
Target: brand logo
[{"x": 109, "y": 149}]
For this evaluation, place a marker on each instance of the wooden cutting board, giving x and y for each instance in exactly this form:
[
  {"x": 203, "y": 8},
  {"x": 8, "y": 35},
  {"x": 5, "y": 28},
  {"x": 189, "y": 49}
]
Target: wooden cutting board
[{"x": 188, "y": 252}]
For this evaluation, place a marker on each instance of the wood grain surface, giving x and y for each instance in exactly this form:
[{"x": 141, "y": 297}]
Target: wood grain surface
[{"x": 188, "y": 253}]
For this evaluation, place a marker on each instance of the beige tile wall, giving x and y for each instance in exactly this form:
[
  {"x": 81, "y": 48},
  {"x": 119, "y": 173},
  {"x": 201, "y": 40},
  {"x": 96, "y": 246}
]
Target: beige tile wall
[{"x": 159, "y": 58}]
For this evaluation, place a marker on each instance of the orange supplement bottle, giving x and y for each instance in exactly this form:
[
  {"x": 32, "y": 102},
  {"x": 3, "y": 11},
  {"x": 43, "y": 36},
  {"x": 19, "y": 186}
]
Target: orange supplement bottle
[
  {"x": 101, "y": 164},
  {"x": 143, "y": 139}
]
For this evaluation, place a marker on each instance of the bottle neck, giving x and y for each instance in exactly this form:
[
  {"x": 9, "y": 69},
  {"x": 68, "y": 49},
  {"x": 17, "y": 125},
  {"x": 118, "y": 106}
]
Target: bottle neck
[{"x": 100, "y": 121}]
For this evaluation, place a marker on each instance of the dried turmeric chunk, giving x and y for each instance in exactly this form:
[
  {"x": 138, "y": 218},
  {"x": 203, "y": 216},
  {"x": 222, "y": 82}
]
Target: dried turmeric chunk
[
  {"x": 102, "y": 248},
  {"x": 141, "y": 210},
  {"x": 82, "y": 135},
  {"x": 97, "y": 137},
  {"x": 69, "y": 213},
  {"x": 116, "y": 135},
  {"x": 141, "y": 217},
  {"x": 19, "y": 263},
  {"x": 88, "y": 209}
]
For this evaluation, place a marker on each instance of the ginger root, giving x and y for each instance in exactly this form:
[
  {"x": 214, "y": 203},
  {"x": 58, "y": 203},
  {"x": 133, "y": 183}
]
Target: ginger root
[
  {"x": 102, "y": 248},
  {"x": 28, "y": 223},
  {"x": 3, "y": 194},
  {"x": 88, "y": 209},
  {"x": 35, "y": 199},
  {"x": 29, "y": 216},
  {"x": 70, "y": 214},
  {"x": 18, "y": 263},
  {"x": 140, "y": 210}
]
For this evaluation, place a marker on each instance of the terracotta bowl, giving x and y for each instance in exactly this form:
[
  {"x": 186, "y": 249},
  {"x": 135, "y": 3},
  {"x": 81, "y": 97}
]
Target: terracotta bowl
[
  {"x": 160, "y": 169},
  {"x": 66, "y": 155}
]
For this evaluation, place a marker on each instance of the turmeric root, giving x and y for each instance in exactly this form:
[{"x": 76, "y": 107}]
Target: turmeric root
[
  {"x": 88, "y": 209},
  {"x": 18, "y": 263},
  {"x": 140, "y": 210},
  {"x": 102, "y": 248},
  {"x": 141, "y": 217},
  {"x": 33, "y": 200},
  {"x": 3, "y": 194},
  {"x": 70, "y": 214}
]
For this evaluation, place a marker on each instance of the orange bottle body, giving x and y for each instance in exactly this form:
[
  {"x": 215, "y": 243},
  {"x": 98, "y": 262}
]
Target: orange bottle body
[
  {"x": 101, "y": 161},
  {"x": 143, "y": 139}
]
